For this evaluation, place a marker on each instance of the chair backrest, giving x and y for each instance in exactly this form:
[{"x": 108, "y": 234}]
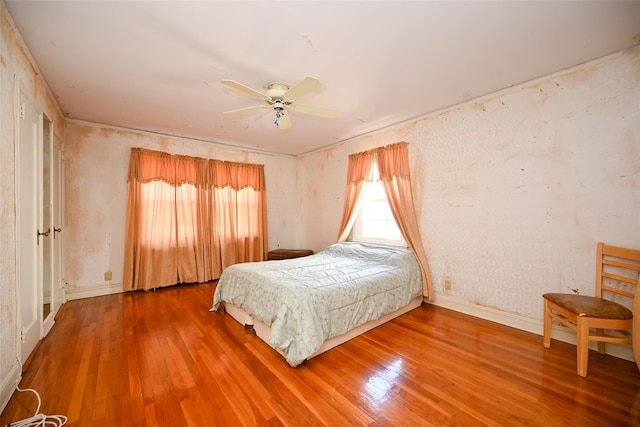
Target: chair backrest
[{"x": 618, "y": 271}]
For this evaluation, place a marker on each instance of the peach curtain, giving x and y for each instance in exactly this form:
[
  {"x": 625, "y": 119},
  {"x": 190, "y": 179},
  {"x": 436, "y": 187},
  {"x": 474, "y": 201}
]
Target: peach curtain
[
  {"x": 239, "y": 235},
  {"x": 188, "y": 218},
  {"x": 358, "y": 176},
  {"x": 394, "y": 171}
]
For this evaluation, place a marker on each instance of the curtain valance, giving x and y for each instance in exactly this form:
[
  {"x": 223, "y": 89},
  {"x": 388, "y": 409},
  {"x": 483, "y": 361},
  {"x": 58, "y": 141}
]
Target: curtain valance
[
  {"x": 359, "y": 168},
  {"x": 236, "y": 175},
  {"x": 393, "y": 161},
  {"x": 149, "y": 165}
]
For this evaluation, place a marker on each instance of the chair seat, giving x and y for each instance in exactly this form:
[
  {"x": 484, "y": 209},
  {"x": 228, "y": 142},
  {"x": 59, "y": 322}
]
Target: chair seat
[{"x": 584, "y": 305}]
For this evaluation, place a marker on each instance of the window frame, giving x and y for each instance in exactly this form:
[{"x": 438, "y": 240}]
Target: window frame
[{"x": 373, "y": 196}]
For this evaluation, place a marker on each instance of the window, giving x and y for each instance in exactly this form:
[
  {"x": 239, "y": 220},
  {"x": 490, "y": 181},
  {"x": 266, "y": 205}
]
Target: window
[
  {"x": 170, "y": 220},
  {"x": 375, "y": 222}
]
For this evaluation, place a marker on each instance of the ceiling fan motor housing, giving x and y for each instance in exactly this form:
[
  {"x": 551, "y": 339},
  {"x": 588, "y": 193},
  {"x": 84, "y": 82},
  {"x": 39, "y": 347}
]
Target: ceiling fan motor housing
[{"x": 276, "y": 92}]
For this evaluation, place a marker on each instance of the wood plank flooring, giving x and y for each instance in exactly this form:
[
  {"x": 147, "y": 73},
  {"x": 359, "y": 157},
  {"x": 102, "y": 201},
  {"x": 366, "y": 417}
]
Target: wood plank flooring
[{"x": 162, "y": 359}]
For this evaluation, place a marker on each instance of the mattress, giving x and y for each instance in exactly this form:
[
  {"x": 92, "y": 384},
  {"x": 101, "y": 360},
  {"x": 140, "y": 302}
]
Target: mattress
[{"x": 307, "y": 301}]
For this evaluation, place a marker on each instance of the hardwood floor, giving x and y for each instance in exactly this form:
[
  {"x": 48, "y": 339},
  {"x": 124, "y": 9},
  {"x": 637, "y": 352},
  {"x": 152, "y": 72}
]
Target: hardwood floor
[{"x": 162, "y": 359}]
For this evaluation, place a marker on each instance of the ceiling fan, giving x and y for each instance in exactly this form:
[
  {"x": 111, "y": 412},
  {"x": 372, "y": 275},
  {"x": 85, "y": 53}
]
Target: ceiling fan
[{"x": 281, "y": 97}]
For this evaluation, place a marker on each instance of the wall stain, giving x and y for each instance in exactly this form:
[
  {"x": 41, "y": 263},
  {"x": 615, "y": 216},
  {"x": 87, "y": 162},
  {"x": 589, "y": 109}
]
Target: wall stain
[{"x": 479, "y": 106}]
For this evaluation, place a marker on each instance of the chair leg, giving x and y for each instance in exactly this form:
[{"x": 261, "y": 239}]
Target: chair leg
[
  {"x": 582, "y": 346},
  {"x": 601, "y": 344},
  {"x": 547, "y": 325}
]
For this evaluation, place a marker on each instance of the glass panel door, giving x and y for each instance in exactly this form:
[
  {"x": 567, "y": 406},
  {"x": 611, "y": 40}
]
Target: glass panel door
[{"x": 47, "y": 216}]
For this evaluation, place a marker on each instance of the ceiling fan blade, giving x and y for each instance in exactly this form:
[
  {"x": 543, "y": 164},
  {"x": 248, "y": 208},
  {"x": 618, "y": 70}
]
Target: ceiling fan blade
[
  {"x": 303, "y": 87},
  {"x": 284, "y": 121},
  {"x": 316, "y": 111},
  {"x": 247, "y": 89},
  {"x": 245, "y": 110}
]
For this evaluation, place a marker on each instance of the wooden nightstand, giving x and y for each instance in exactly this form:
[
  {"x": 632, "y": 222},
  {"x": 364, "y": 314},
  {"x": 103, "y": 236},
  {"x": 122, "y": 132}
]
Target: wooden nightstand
[{"x": 288, "y": 253}]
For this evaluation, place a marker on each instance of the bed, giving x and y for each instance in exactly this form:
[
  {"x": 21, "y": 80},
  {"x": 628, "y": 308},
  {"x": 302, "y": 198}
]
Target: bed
[{"x": 304, "y": 306}]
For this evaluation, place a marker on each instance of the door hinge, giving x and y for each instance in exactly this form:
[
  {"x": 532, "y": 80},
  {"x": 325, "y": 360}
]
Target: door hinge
[{"x": 23, "y": 111}]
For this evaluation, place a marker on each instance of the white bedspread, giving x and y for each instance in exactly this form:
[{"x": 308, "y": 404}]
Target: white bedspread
[{"x": 308, "y": 300}]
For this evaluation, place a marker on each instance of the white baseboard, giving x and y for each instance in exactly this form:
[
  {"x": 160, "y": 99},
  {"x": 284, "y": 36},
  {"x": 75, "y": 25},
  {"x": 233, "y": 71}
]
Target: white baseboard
[
  {"x": 9, "y": 384},
  {"x": 523, "y": 323},
  {"x": 93, "y": 291}
]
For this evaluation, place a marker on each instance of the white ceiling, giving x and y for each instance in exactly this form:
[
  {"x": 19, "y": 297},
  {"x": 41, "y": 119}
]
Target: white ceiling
[{"x": 157, "y": 65}]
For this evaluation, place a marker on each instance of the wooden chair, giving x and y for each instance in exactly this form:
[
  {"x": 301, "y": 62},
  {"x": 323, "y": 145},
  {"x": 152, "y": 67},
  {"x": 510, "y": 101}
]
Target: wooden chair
[{"x": 596, "y": 318}]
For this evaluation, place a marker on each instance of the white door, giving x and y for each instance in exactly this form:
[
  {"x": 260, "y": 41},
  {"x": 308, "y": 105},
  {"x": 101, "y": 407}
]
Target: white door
[
  {"x": 47, "y": 241},
  {"x": 29, "y": 218}
]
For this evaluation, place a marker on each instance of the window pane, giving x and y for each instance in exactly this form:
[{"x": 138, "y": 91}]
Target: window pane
[
  {"x": 380, "y": 210},
  {"x": 394, "y": 232},
  {"x": 366, "y": 211},
  {"x": 376, "y": 191},
  {"x": 380, "y": 229},
  {"x": 367, "y": 228}
]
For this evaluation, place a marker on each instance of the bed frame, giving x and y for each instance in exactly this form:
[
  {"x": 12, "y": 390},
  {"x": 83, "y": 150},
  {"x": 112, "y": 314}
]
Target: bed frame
[{"x": 263, "y": 331}]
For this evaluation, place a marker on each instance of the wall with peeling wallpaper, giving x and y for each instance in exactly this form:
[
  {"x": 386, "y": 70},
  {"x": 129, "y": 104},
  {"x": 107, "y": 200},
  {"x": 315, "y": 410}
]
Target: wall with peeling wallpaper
[
  {"x": 97, "y": 163},
  {"x": 512, "y": 190}
]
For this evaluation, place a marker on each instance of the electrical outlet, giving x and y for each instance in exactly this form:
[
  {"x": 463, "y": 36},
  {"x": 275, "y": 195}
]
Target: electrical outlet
[
  {"x": 448, "y": 285},
  {"x": 107, "y": 276}
]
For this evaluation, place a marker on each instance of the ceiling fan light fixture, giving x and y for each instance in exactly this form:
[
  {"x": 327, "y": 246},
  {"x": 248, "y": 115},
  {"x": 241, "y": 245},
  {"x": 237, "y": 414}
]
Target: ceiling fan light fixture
[
  {"x": 278, "y": 106},
  {"x": 283, "y": 120},
  {"x": 279, "y": 113}
]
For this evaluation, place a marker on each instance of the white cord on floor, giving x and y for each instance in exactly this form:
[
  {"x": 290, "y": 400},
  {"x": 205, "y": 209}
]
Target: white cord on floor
[{"x": 39, "y": 419}]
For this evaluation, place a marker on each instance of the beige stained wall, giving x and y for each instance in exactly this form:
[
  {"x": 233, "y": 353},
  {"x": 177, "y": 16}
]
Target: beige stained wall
[
  {"x": 512, "y": 190},
  {"x": 96, "y": 166}
]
